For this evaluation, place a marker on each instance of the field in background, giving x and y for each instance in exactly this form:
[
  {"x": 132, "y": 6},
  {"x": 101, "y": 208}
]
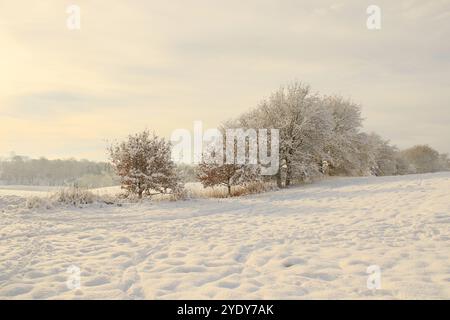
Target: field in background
[{"x": 194, "y": 189}]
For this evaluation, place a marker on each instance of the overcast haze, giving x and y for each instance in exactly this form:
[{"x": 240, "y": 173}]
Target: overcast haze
[{"x": 163, "y": 64}]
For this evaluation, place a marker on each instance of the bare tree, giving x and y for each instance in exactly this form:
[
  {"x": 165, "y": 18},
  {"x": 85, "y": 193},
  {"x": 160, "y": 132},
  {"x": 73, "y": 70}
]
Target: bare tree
[{"x": 213, "y": 171}]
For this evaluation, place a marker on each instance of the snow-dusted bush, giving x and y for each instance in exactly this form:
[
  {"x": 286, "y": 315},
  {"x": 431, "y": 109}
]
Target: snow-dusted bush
[
  {"x": 71, "y": 196},
  {"x": 74, "y": 196},
  {"x": 179, "y": 194},
  {"x": 143, "y": 163},
  {"x": 221, "y": 191},
  {"x": 38, "y": 203},
  {"x": 258, "y": 187}
]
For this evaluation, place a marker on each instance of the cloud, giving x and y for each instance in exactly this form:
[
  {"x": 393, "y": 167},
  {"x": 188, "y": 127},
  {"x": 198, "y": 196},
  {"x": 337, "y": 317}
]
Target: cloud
[{"x": 162, "y": 65}]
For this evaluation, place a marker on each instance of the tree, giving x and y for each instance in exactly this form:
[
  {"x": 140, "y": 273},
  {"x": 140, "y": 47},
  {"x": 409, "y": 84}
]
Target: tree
[
  {"x": 305, "y": 126},
  {"x": 402, "y": 164},
  {"x": 23, "y": 170},
  {"x": 423, "y": 158},
  {"x": 227, "y": 175},
  {"x": 143, "y": 163},
  {"x": 444, "y": 162},
  {"x": 213, "y": 171},
  {"x": 384, "y": 155},
  {"x": 342, "y": 145}
]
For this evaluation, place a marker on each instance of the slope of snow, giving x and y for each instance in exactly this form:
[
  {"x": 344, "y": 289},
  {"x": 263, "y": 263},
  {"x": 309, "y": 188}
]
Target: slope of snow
[{"x": 307, "y": 242}]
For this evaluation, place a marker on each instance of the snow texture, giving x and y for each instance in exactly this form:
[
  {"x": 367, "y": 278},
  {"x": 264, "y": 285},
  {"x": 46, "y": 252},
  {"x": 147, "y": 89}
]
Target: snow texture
[{"x": 314, "y": 241}]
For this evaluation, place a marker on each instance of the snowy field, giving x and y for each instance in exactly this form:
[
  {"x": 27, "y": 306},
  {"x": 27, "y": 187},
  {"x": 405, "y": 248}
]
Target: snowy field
[
  {"x": 26, "y": 191},
  {"x": 307, "y": 242}
]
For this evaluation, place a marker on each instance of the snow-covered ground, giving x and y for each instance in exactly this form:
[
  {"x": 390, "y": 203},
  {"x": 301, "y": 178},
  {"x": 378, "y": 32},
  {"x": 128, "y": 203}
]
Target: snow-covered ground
[
  {"x": 314, "y": 241},
  {"x": 26, "y": 191}
]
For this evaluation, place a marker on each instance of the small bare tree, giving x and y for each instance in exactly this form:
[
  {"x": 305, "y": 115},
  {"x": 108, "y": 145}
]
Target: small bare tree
[
  {"x": 212, "y": 171},
  {"x": 143, "y": 163},
  {"x": 228, "y": 175}
]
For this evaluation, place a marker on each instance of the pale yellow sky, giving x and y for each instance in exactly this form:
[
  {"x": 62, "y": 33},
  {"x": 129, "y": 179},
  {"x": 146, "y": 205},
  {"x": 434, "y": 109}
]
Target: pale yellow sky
[{"x": 163, "y": 64}]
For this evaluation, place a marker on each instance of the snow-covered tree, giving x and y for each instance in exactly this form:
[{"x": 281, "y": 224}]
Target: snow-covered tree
[
  {"x": 372, "y": 155},
  {"x": 385, "y": 156},
  {"x": 143, "y": 163},
  {"x": 227, "y": 175},
  {"x": 403, "y": 166},
  {"x": 342, "y": 145},
  {"x": 213, "y": 171},
  {"x": 305, "y": 127},
  {"x": 423, "y": 159},
  {"x": 444, "y": 162},
  {"x": 316, "y": 130},
  {"x": 59, "y": 172},
  {"x": 363, "y": 159}
]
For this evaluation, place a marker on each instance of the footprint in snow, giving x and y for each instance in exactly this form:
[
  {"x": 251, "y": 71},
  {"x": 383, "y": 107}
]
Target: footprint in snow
[
  {"x": 289, "y": 262},
  {"x": 97, "y": 281}
]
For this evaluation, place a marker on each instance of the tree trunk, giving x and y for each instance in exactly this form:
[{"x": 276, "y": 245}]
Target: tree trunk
[
  {"x": 140, "y": 194},
  {"x": 229, "y": 190},
  {"x": 288, "y": 175},
  {"x": 279, "y": 183},
  {"x": 288, "y": 169}
]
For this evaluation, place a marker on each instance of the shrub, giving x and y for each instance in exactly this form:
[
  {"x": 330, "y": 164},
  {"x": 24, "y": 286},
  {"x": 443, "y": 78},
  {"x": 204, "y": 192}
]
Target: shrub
[
  {"x": 38, "y": 202},
  {"x": 74, "y": 196},
  {"x": 221, "y": 191}
]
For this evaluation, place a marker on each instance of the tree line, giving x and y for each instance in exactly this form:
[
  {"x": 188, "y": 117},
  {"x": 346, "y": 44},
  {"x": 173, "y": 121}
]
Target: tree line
[
  {"x": 21, "y": 170},
  {"x": 319, "y": 135},
  {"x": 322, "y": 135}
]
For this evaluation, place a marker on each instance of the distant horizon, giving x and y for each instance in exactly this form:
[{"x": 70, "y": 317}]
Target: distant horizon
[{"x": 105, "y": 159}]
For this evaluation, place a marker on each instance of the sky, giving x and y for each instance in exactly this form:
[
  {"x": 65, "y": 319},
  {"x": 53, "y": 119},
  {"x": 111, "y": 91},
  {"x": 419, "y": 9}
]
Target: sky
[{"x": 162, "y": 65}]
